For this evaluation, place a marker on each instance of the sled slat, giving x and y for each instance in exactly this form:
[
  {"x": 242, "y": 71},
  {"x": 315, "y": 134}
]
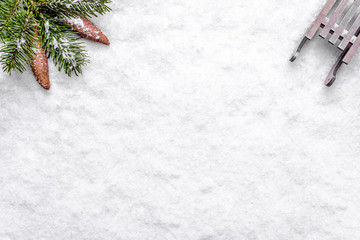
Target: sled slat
[
  {"x": 338, "y": 31},
  {"x": 351, "y": 34},
  {"x": 339, "y": 10},
  {"x": 320, "y": 19}
]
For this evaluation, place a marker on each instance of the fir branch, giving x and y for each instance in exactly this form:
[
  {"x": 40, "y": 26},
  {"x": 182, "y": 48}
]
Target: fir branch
[
  {"x": 71, "y": 8},
  {"x": 22, "y": 22},
  {"x": 7, "y": 9},
  {"x": 17, "y": 51},
  {"x": 63, "y": 45}
]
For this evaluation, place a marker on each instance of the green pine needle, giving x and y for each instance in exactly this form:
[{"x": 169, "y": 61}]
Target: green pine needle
[{"x": 21, "y": 20}]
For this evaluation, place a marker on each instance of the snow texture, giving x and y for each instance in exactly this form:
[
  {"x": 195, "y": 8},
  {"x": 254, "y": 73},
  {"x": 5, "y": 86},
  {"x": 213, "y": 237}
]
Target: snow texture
[{"x": 193, "y": 124}]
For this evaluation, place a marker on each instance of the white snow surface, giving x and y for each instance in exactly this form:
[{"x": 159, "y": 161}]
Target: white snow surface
[{"x": 193, "y": 124}]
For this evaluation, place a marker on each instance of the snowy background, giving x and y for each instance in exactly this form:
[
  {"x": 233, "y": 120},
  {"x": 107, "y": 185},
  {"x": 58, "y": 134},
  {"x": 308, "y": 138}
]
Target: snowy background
[{"x": 192, "y": 125}]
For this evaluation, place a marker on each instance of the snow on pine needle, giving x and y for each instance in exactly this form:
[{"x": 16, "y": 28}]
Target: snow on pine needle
[{"x": 54, "y": 27}]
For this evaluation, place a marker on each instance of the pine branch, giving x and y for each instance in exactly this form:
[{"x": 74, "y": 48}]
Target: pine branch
[
  {"x": 45, "y": 23},
  {"x": 17, "y": 50},
  {"x": 7, "y": 9},
  {"x": 63, "y": 45},
  {"x": 84, "y": 8}
]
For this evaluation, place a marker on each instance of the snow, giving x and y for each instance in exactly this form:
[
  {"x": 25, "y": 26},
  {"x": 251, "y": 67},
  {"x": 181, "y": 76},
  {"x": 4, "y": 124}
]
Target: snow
[
  {"x": 193, "y": 124},
  {"x": 76, "y": 21}
]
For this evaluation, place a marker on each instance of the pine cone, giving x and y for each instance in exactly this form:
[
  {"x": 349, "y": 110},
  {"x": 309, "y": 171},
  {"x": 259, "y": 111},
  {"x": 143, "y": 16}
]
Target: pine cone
[
  {"x": 88, "y": 30},
  {"x": 39, "y": 65}
]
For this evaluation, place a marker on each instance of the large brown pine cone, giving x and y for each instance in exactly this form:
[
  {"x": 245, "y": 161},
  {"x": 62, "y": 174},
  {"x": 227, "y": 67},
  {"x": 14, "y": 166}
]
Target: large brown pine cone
[
  {"x": 39, "y": 65},
  {"x": 88, "y": 30}
]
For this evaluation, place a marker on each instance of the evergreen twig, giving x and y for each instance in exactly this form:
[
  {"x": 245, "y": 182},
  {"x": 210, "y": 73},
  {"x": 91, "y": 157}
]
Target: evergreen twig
[{"x": 20, "y": 20}]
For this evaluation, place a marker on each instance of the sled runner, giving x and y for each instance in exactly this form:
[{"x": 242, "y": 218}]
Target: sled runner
[{"x": 340, "y": 21}]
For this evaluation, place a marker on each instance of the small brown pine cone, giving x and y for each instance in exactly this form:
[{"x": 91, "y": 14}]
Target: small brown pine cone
[
  {"x": 39, "y": 65},
  {"x": 88, "y": 30}
]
